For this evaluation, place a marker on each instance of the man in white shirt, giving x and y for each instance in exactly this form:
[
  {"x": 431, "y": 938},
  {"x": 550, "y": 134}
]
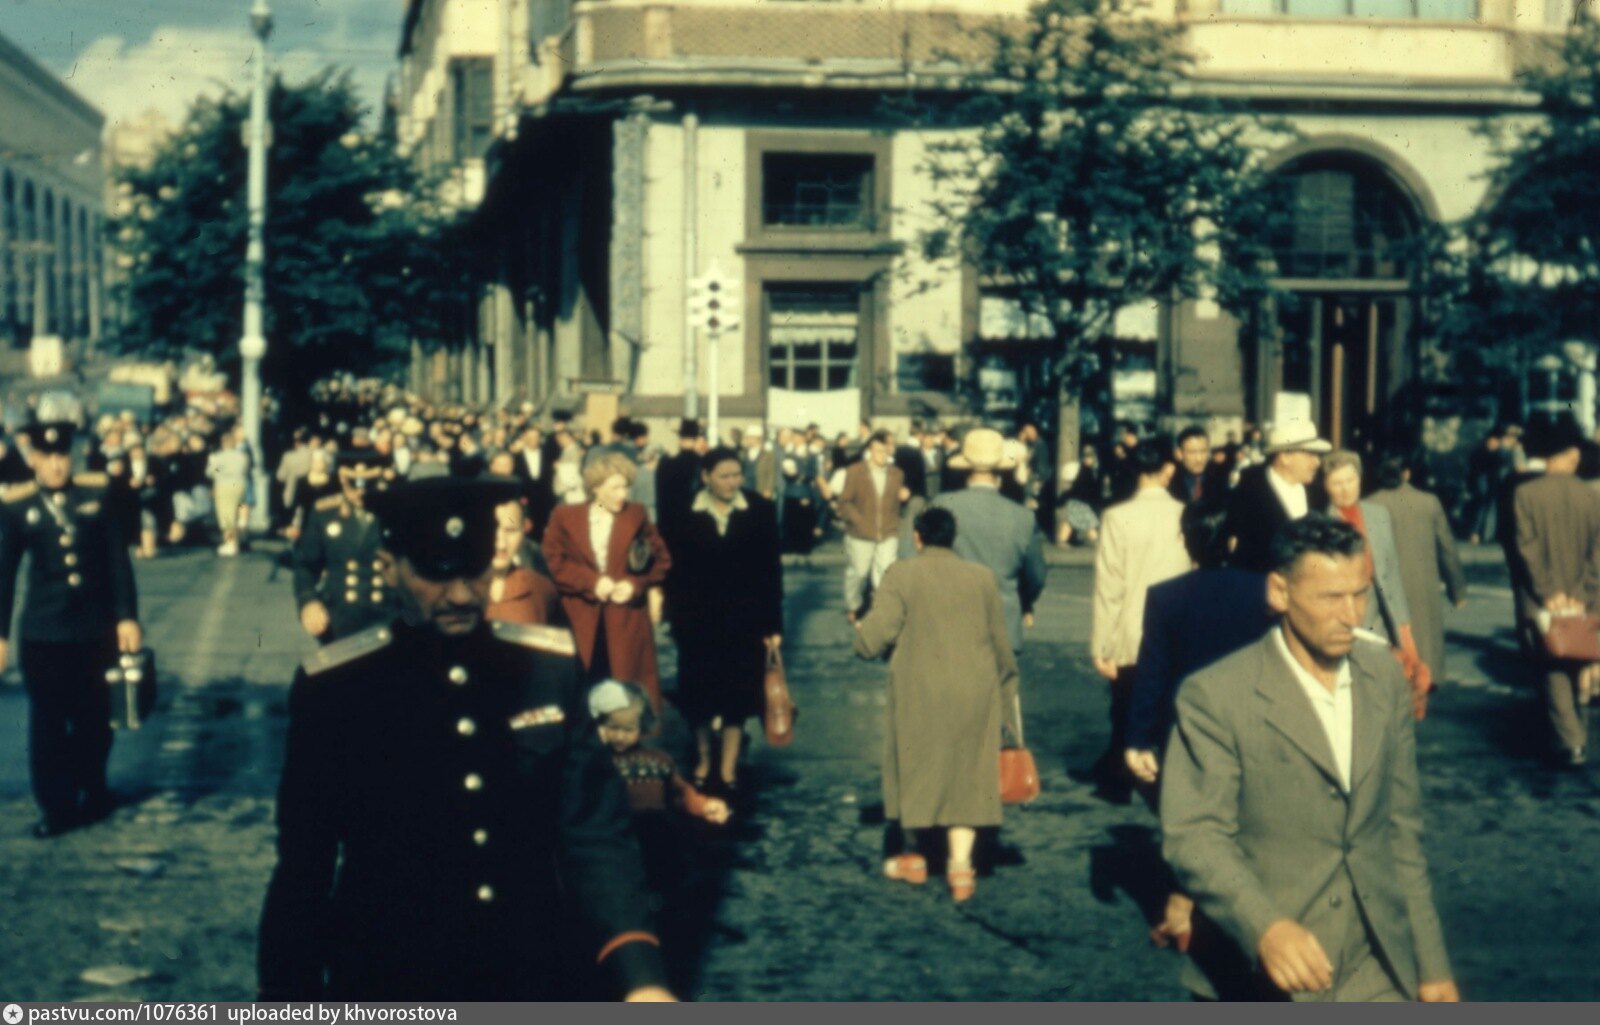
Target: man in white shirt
[
  {"x": 1290, "y": 805},
  {"x": 1279, "y": 492}
]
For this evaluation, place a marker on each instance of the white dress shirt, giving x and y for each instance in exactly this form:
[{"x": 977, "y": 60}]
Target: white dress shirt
[
  {"x": 880, "y": 476},
  {"x": 601, "y": 521},
  {"x": 1293, "y": 496},
  {"x": 1335, "y": 709},
  {"x": 533, "y": 459}
]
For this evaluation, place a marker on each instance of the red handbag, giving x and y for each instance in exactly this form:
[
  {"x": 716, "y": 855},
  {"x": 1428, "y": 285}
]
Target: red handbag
[
  {"x": 778, "y": 720},
  {"x": 1019, "y": 776}
]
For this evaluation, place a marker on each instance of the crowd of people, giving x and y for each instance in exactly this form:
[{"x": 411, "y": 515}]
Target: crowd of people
[{"x": 1255, "y": 605}]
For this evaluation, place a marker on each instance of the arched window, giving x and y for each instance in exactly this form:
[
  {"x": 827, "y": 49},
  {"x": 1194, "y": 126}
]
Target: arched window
[{"x": 1350, "y": 221}]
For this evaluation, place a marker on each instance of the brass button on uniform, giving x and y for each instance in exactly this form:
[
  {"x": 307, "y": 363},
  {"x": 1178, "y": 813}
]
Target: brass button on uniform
[
  {"x": 377, "y": 596},
  {"x": 351, "y": 597},
  {"x": 486, "y": 893},
  {"x": 66, "y": 540},
  {"x": 352, "y": 581},
  {"x": 71, "y": 559},
  {"x": 473, "y": 782},
  {"x": 73, "y": 580},
  {"x": 480, "y": 837},
  {"x": 466, "y": 727},
  {"x": 352, "y": 565},
  {"x": 458, "y": 675},
  {"x": 377, "y": 564}
]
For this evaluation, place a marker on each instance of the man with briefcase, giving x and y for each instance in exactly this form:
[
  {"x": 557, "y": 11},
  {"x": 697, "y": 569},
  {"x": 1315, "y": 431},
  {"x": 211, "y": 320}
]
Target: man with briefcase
[{"x": 81, "y": 612}]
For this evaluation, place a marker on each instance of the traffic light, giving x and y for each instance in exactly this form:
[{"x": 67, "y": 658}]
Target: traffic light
[{"x": 714, "y": 302}]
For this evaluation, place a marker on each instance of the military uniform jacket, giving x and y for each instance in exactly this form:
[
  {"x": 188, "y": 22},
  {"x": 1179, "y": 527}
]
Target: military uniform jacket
[
  {"x": 459, "y": 789},
  {"x": 80, "y": 580},
  {"x": 336, "y": 563}
]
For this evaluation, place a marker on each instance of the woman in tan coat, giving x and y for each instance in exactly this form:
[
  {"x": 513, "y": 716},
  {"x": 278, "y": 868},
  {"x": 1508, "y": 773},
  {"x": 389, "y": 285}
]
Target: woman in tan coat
[{"x": 952, "y": 684}]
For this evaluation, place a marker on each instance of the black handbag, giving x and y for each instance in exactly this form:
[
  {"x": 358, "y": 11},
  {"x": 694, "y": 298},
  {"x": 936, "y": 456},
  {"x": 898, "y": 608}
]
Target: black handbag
[
  {"x": 132, "y": 679},
  {"x": 640, "y": 555}
]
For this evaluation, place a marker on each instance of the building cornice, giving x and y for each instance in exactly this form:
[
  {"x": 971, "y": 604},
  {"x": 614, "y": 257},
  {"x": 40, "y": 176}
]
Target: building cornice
[{"x": 41, "y": 77}]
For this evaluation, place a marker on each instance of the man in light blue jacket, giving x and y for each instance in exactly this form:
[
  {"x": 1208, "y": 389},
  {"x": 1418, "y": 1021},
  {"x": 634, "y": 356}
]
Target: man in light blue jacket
[{"x": 995, "y": 531}]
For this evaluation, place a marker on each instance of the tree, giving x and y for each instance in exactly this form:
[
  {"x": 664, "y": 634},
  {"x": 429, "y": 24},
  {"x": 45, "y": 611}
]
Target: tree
[
  {"x": 1522, "y": 278},
  {"x": 358, "y": 252},
  {"x": 1084, "y": 173}
]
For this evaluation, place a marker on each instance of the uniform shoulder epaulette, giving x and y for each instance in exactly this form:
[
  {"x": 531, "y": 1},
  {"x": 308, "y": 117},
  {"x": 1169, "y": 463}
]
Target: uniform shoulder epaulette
[
  {"x": 18, "y": 492},
  {"x": 347, "y": 650},
  {"x": 553, "y": 639},
  {"x": 90, "y": 479},
  {"x": 329, "y": 502}
]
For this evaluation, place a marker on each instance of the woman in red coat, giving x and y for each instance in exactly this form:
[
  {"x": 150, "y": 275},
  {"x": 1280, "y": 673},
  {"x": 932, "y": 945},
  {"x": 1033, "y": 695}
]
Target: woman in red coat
[{"x": 604, "y": 556}]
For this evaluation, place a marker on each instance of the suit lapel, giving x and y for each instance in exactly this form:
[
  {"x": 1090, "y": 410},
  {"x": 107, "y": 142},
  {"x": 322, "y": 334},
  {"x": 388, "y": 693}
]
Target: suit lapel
[
  {"x": 1289, "y": 711},
  {"x": 1369, "y": 714}
]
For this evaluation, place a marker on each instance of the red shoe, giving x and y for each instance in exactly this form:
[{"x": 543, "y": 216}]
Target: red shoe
[{"x": 907, "y": 868}]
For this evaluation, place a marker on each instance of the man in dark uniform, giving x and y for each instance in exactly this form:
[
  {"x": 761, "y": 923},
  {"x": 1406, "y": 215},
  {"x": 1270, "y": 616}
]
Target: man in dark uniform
[
  {"x": 81, "y": 610},
  {"x": 338, "y": 585},
  {"x": 444, "y": 794}
]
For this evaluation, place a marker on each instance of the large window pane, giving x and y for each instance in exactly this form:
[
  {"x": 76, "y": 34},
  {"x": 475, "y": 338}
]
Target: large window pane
[
  {"x": 817, "y": 190},
  {"x": 1251, "y": 6},
  {"x": 1456, "y": 10},
  {"x": 813, "y": 333},
  {"x": 1392, "y": 9},
  {"x": 1317, "y": 8}
]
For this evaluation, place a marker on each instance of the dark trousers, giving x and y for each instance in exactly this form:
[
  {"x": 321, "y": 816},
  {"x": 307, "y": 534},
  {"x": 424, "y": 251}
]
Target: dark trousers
[{"x": 69, "y": 724}]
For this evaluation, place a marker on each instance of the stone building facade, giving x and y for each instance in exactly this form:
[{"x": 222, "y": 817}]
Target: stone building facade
[
  {"x": 637, "y": 143},
  {"x": 52, "y": 202}
]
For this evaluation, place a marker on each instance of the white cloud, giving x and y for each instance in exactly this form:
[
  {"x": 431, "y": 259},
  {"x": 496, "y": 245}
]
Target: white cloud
[{"x": 176, "y": 65}]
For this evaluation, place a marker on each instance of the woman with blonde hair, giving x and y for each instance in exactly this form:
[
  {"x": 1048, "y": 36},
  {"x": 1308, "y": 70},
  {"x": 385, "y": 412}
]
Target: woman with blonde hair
[{"x": 604, "y": 556}]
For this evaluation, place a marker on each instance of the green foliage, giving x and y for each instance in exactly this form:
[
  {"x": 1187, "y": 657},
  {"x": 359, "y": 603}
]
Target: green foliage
[
  {"x": 1523, "y": 277},
  {"x": 1095, "y": 177},
  {"x": 358, "y": 256}
]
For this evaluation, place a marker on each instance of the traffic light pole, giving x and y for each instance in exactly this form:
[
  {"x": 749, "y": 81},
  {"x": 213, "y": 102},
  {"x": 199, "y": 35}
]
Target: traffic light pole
[
  {"x": 714, "y": 399},
  {"x": 253, "y": 346}
]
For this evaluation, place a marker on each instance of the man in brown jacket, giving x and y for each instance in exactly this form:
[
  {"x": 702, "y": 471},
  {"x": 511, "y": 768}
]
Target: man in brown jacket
[
  {"x": 869, "y": 503},
  {"x": 1558, "y": 536}
]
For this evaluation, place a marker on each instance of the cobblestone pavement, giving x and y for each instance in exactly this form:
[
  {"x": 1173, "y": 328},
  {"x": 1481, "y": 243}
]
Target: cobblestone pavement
[{"x": 161, "y": 901}]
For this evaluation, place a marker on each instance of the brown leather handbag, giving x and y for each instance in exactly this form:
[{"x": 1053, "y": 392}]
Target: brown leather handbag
[
  {"x": 778, "y": 720},
  {"x": 1573, "y": 638},
  {"x": 1019, "y": 776}
]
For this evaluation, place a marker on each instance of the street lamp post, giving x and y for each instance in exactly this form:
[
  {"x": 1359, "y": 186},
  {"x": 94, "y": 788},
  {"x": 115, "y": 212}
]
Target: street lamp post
[{"x": 253, "y": 346}]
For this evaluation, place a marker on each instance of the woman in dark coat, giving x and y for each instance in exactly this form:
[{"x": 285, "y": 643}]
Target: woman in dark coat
[
  {"x": 727, "y": 611},
  {"x": 604, "y": 586}
]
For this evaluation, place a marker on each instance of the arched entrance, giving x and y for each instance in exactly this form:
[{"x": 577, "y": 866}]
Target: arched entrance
[{"x": 1341, "y": 331}]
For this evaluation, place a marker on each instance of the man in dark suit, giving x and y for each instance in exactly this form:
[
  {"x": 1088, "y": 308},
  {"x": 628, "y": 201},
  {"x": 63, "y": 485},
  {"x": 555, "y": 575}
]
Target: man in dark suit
[
  {"x": 1198, "y": 479},
  {"x": 81, "y": 609},
  {"x": 1269, "y": 496},
  {"x": 913, "y": 467},
  {"x": 1190, "y": 622},
  {"x": 677, "y": 480},
  {"x": 537, "y": 474},
  {"x": 445, "y": 795},
  {"x": 1290, "y": 804}
]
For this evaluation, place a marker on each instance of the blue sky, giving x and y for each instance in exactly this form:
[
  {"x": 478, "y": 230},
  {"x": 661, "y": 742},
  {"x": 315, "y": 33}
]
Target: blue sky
[{"x": 126, "y": 56}]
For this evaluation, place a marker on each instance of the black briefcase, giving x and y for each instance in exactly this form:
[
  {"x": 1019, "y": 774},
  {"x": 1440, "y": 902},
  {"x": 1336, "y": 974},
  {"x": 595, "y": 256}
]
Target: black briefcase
[{"x": 132, "y": 680}]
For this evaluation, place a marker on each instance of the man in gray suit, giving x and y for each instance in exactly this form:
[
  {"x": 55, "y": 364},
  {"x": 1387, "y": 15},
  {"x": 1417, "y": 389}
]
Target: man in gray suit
[
  {"x": 995, "y": 531},
  {"x": 1290, "y": 804}
]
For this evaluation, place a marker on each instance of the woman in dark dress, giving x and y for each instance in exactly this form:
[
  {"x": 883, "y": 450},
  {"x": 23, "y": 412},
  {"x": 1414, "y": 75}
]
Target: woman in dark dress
[{"x": 727, "y": 610}]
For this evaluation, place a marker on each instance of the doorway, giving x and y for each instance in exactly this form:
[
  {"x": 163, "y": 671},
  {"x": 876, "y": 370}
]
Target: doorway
[{"x": 1346, "y": 350}]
